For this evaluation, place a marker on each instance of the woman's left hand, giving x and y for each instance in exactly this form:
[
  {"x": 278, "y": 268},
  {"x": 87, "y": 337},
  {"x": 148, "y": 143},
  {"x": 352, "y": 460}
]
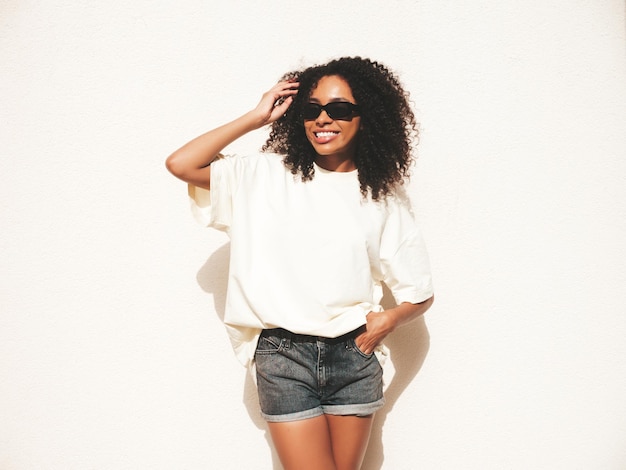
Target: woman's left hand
[{"x": 379, "y": 325}]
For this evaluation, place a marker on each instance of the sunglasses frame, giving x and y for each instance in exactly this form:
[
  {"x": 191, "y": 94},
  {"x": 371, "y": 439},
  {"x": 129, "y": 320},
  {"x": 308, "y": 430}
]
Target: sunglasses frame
[{"x": 354, "y": 110}]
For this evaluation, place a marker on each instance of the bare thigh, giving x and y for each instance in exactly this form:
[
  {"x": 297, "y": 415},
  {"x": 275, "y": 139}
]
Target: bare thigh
[
  {"x": 304, "y": 444},
  {"x": 349, "y": 438},
  {"x": 325, "y": 442}
]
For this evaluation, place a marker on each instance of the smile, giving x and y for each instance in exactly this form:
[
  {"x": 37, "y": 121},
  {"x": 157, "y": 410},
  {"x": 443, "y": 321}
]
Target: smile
[{"x": 325, "y": 136}]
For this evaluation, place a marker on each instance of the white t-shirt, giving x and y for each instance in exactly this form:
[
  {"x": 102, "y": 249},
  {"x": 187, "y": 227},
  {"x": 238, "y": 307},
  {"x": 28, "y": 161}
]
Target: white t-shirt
[{"x": 308, "y": 256}]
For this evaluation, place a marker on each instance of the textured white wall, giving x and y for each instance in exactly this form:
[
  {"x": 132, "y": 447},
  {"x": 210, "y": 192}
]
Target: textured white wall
[{"x": 112, "y": 354}]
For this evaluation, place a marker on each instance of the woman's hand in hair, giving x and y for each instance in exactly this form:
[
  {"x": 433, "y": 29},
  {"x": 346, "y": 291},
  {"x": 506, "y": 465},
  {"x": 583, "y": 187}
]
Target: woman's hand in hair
[
  {"x": 275, "y": 102},
  {"x": 191, "y": 162}
]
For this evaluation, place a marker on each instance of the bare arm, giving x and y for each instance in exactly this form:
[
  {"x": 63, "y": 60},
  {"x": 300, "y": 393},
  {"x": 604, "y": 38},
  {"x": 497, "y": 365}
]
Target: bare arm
[
  {"x": 380, "y": 324},
  {"x": 191, "y": 162}
]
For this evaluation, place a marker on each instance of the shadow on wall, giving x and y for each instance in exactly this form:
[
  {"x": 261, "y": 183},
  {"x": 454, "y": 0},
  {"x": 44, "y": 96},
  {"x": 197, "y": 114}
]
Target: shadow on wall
[
  {"x": 213, "y": 278},
  {"x": 408, "y": 347}
]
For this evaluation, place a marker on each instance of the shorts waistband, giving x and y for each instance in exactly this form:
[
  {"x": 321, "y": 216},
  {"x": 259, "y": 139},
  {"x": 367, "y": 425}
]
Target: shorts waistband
[{"x": 300, "y": 338}]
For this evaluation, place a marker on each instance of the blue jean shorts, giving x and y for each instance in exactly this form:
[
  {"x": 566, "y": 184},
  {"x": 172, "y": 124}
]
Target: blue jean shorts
[{"x": 302, "y": 376}]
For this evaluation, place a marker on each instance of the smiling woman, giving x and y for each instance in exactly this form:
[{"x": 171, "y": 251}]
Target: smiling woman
[
  {"x": 309, "y": 255},
  {"x": 387, "y": 127},
  {"x": 334, "y": 140}
]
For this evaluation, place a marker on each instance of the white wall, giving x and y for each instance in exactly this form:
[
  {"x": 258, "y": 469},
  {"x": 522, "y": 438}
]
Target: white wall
[{"x": 112, "y": 354}]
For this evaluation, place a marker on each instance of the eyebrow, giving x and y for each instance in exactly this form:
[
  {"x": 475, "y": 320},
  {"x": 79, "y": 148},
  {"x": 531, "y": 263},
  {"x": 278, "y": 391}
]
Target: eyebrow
[{"x": 332, "y": 100}]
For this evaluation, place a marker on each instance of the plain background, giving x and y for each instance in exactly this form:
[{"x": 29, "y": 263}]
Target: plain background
[{"x": 112, "y": 352}]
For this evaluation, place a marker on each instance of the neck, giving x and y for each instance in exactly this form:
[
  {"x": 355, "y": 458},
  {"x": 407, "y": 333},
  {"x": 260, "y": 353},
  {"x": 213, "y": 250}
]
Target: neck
[{"x": 334, "y": 163}]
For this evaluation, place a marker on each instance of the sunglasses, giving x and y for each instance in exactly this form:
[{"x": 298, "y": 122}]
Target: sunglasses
[{"x": 339, "y": 110}]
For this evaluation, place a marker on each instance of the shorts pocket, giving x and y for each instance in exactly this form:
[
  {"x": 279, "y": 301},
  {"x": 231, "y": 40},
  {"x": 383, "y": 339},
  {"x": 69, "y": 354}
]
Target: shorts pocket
[
  {"x": 270, "y": 345},
  {"x": 354, "y": 347}
]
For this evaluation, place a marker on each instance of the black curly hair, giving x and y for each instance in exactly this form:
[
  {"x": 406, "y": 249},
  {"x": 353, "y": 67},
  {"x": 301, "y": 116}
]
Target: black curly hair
[{"x": 383, "y": 154}]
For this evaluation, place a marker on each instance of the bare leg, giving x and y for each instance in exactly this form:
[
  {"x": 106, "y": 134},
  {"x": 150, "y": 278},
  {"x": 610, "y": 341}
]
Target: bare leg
[
  {"x": 349, "y": 437},
  {"x": 303, "y": 444},
  {"x": 325, "y": 442}
]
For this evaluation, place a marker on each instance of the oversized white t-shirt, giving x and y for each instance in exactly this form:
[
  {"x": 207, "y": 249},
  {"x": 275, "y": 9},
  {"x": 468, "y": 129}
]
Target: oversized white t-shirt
[{"x": 307, "y": 256}]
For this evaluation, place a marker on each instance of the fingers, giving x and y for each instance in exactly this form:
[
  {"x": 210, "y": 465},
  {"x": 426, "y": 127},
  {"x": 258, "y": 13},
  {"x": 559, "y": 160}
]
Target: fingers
[
  {"x": 284, "y": 90},
  {"x": 281, "y": 106},
  {"x": 377, "y": 329},
  {"x": 287, "y": 85},
  {"x": 365, "y": 343},
  {"x": 277, "y": 100},
  {"x": 368, "y": 341},
  {"x": 281, "y": 98}
]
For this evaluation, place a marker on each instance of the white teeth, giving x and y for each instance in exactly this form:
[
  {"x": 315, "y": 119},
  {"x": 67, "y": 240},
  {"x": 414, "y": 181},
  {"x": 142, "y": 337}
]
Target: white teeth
[{"x": 325, "y": 134}]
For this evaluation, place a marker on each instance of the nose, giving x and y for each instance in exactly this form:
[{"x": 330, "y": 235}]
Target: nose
[{"x": 323, "y": 118}]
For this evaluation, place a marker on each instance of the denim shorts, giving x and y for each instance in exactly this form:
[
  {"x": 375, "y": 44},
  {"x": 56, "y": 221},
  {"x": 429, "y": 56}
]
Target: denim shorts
[{"x": 302, "y": 376}]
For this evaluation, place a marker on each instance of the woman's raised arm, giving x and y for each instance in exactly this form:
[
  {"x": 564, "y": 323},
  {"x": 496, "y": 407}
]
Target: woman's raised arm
[{"x": 191, "y": 163}]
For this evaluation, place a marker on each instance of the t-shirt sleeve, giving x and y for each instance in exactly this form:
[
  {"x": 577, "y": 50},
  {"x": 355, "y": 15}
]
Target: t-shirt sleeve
[
  {"x": 404, "y": 259},
  {"x": 213, "y": 208}
]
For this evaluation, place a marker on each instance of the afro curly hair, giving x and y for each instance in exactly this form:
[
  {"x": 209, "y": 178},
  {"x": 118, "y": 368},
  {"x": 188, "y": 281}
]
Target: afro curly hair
[{"x": 383, "y": 154}]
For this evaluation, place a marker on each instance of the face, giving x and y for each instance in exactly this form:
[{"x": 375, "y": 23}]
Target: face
[{"x": 334, "y": 140}]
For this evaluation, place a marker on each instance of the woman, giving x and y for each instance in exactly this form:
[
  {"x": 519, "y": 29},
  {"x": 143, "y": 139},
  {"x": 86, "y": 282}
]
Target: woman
[{"x": 317, "y": 222}]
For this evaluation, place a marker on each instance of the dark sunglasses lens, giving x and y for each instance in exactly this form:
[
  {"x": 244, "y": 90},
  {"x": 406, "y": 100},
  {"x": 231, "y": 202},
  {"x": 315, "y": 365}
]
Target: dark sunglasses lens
[
  {"x": 339, "y": 110},
  {"x": 311, "y": 111}
]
